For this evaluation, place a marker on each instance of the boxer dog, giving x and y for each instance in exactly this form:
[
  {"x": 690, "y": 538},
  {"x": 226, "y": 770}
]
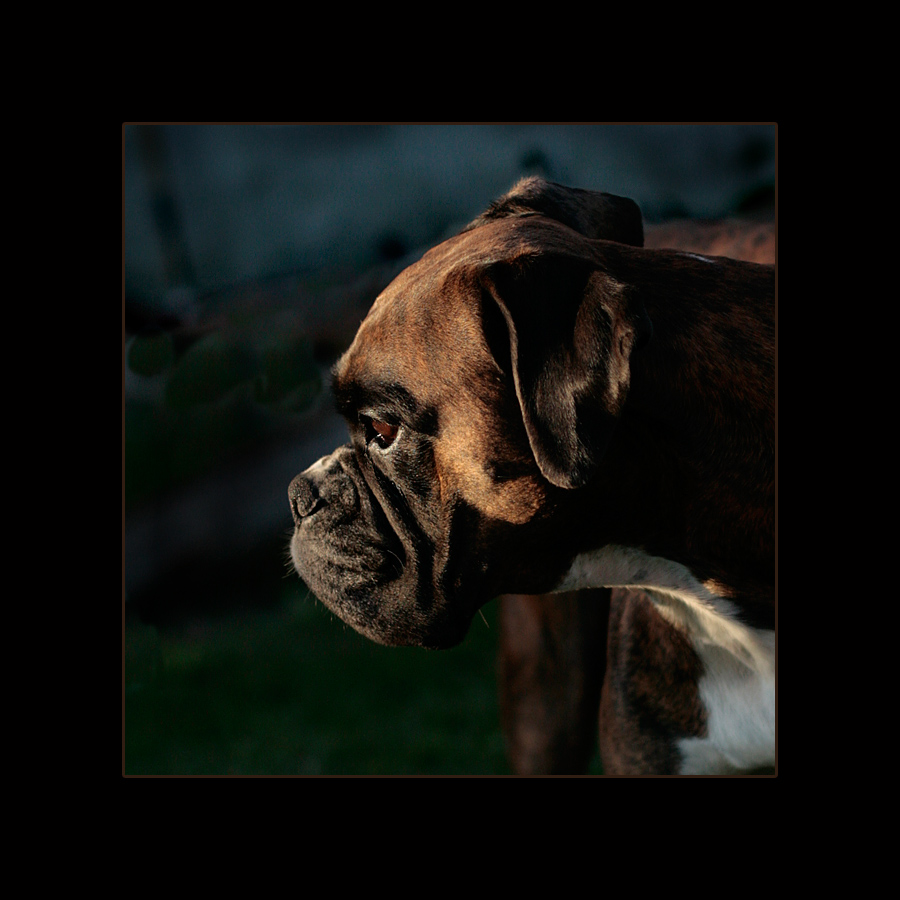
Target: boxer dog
[{"x": 540, "y": 404}]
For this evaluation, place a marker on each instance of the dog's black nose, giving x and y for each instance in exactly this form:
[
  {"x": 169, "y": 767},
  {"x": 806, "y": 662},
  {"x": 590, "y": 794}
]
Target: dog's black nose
[{"x": 303, "y": 497}]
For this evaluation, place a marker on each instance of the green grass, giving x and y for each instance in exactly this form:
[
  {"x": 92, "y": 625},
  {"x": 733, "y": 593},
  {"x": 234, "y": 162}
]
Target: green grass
[{"x": 296, "y": 692}]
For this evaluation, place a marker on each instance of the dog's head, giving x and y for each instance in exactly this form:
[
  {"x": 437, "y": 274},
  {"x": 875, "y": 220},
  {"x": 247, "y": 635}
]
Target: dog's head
[{"x": 481, "y": 392}]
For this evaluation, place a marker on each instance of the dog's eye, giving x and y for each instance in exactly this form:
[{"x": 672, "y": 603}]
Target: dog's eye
[{"x": 382, "y": 433}]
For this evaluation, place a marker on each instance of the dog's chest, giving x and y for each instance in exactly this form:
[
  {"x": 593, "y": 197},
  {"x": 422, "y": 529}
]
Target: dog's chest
[{"x": 736, "y": 676}]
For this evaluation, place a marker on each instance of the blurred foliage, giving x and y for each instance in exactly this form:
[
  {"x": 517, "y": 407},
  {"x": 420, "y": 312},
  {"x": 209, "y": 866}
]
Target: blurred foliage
[
  {"x": 228, "y": 391},
  {"x": 211, "y": 368}
]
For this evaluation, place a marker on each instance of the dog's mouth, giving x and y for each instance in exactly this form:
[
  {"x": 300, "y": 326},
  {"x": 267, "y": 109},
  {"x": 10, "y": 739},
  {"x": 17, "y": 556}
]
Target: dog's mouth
[{"x": 365, "y": 561}]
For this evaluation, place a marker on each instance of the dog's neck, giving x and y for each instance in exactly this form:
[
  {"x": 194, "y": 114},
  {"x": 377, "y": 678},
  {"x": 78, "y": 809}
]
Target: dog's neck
[
  {"x": 694, "y": 450},
  {"x": 726, "y": 308}
]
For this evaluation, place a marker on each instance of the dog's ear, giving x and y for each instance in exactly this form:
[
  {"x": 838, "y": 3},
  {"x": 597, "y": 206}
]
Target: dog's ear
[
  {"x": 594, "y": 214},
  {"x": 565, "y": 332}
]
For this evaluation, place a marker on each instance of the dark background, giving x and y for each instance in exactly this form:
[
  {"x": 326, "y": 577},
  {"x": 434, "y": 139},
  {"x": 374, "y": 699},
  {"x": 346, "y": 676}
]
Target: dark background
[{"x": 250, "y": 255}]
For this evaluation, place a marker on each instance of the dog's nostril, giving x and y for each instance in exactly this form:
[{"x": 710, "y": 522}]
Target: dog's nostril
[{"x": 303, "y": 497}]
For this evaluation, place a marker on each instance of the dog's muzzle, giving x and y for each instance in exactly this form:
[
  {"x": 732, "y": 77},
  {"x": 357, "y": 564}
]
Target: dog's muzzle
[{"x": 368, "y": 564}]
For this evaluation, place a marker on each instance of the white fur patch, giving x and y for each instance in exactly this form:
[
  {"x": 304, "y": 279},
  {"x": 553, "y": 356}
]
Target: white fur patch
[{"x": 738, "y": 684}]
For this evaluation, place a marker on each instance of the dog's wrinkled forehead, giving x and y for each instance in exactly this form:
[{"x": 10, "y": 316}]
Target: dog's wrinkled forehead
[
  {"x": 416, "y": 304},
  {"x": 433, "y": 306},
  {"x": 536, "y": 216}
]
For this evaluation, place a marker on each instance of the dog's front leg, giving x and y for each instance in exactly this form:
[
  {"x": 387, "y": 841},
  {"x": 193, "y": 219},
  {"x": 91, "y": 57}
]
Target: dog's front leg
[{"x": 551, "y": 664}]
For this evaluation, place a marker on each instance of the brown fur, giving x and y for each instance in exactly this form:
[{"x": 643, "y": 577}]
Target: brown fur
[
  {"x": 546, "y": 733},
  {"x": 554, "y": 392}
]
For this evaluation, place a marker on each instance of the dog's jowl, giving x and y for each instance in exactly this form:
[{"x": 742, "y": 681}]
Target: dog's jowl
[{"x": 542, "y": 404}]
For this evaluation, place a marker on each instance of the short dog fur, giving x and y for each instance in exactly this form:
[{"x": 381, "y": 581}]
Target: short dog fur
[{"x": 542, "y": 405}]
